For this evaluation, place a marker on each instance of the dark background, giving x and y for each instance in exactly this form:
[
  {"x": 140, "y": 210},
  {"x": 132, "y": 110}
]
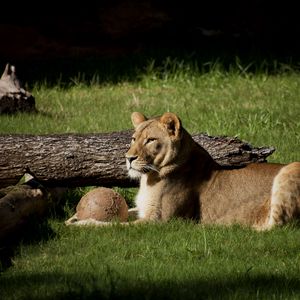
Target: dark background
[{"x": 69, "y": 35}]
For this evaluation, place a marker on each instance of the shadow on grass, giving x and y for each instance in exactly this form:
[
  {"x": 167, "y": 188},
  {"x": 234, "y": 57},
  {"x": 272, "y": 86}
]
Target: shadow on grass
[
  {"x": 36, "y": 230},
  {"x": 86, "y": 286}
]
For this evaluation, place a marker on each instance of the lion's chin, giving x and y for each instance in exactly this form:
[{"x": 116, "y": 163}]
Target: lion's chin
[{"x": 134, "y": 174}]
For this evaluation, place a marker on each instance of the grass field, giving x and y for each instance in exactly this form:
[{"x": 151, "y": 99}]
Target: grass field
[{"x": 178, "y": 260}]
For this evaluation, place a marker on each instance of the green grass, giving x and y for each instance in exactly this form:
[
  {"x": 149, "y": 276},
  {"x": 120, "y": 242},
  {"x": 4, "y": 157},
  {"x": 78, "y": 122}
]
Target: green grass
[{"x": 178, "y": 260}]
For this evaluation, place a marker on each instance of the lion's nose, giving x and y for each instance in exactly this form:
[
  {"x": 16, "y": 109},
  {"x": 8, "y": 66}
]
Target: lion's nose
[{"x": 131, "y": 158}]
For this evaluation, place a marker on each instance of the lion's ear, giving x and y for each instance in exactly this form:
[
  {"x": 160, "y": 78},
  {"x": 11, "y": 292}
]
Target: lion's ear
[
  {"x": 172, "y": 123},
  {"x": 137, "y": 118}
]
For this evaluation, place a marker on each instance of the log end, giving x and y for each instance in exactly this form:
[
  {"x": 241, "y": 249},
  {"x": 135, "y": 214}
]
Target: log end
[{"x": 13, "y": 98}]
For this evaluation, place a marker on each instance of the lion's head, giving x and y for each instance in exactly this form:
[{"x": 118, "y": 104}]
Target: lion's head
[{"x": 155, "y": 144}]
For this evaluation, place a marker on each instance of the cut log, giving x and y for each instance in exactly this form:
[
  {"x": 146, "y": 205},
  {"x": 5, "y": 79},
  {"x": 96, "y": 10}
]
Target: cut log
[
  {"x": 13, "y": 98},
  {"x": 73, "y": 160}
]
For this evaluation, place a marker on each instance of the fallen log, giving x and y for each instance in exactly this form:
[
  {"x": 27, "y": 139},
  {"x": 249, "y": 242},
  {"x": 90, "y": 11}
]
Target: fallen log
[
  {"x": 73, "y": 160},
  {"x": 19, "y": 205},
  {"x": 24, "y": 204}
]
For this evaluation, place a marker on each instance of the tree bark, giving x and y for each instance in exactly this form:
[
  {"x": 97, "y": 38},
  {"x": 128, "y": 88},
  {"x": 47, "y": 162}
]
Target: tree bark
[{"x": 73, "y": 160}]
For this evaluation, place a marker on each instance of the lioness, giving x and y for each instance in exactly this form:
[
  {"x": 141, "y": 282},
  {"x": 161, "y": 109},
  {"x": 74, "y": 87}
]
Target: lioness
[{"x": 178, "y": 178}]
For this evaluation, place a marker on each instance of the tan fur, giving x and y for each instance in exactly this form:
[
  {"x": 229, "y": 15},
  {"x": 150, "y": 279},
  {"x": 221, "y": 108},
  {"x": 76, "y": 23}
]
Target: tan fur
[{"x": 178, "y": 178}]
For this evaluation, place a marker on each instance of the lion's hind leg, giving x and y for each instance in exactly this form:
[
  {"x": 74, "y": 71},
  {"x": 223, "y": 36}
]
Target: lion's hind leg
[{"x": 285, "y": 196}]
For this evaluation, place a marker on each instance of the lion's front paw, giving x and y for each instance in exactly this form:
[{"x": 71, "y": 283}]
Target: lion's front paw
[{"x": 87, "y": 222}]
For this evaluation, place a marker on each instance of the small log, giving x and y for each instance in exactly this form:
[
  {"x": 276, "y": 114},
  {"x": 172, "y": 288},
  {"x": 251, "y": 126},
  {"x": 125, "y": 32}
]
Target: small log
[
  {"x": 19, "y": 204},
  {"x": 23, "y": 204},
  {"x": 73, "y": 160},
  {"x": 13, "y": 98}
]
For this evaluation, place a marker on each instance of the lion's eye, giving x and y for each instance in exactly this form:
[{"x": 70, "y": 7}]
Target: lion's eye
[
  {"x": 133, "y": 140},
  {"x": 150, "y": 140}
]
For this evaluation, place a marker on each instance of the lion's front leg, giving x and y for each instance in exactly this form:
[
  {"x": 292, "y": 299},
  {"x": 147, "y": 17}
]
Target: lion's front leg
[
  {"x": 95, "y": 223},
  {"x": 74, "y": 221},
  {"x": 132, "y": 219}
]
